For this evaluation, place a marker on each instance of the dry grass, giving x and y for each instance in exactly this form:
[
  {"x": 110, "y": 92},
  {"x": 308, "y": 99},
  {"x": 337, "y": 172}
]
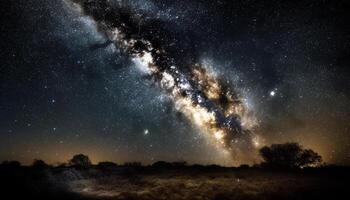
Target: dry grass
[
  {"x": 170, "y": 183},
  {"x": 181, "y": 185}
]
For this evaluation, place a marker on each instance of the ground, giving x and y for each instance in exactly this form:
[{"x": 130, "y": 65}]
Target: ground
[{"x": 187, "y": 183}]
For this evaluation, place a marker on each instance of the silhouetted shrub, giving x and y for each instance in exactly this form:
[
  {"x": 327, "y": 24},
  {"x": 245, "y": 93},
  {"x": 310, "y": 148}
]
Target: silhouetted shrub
[
  {"x": 80, "y": 161},
  {"x": 179, "y": 164},
  {"x": 133, "y": 164},
  {"x": 106, "y": 165},
  {"x": 161, "y": 164},
  {"x": 39, "y": 164},
  {"x": 11, "y": 164},
  {"x": 244, "y": 166},
  {"x": 61, "y": 165},
  {"x": 289, "y": 155},
  {"x": 213, "y": 167}
]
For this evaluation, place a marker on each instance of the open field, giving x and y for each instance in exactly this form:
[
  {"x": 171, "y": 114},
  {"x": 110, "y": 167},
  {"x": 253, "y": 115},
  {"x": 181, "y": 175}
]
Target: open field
[{"x": 176, "y": 183}]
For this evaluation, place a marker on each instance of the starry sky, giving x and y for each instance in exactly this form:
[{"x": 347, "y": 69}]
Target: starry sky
[{"x": 68, "y": 85}]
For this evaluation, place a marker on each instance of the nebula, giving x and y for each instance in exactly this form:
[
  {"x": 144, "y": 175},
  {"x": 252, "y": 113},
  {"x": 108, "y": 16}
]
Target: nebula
[{"x": 209, "y": 102}]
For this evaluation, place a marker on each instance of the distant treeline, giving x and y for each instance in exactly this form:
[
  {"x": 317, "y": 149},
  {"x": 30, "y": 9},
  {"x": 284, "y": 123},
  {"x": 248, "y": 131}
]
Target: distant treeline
[{"x": 288, "y": 155}]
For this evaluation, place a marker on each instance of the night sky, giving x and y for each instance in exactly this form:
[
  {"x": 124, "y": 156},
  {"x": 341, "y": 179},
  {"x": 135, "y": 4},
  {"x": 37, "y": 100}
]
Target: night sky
[{"x": 147, "y": 80}]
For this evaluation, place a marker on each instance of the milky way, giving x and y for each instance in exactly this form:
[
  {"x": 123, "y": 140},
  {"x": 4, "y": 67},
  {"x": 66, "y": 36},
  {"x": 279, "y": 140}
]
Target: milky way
[
  {"x": 207, "y": 101},
  {"x": 145, "y": 80}
]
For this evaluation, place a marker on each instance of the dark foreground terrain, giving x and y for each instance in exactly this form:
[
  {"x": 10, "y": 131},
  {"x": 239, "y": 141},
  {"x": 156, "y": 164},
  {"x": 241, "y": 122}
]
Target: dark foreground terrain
[{"x": 195, "y": 182}]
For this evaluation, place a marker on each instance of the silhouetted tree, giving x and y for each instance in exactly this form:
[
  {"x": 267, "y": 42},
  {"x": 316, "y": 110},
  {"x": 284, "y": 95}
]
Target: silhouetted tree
[
  {"x": 39, "y": 164},
  {"x": 80, "y": 161},
  {"x": 289, "y": 155},
  {"x": 309, "y": 157}
]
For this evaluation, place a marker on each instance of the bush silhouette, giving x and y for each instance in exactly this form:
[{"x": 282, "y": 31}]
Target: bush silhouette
[
  {"x": 244, "y": 166},
  {"x": 11, "y": 164},
  {"x": 39, "y": 164},
  {"x": 133, "y": 164},
  {"x": 106, "y": 165},
  {"x": 80, "y": 161},
  {"x": 289, "y": 155},
  {"x": 162, "y": 164},
  {"x": 179, "y": 164}
]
